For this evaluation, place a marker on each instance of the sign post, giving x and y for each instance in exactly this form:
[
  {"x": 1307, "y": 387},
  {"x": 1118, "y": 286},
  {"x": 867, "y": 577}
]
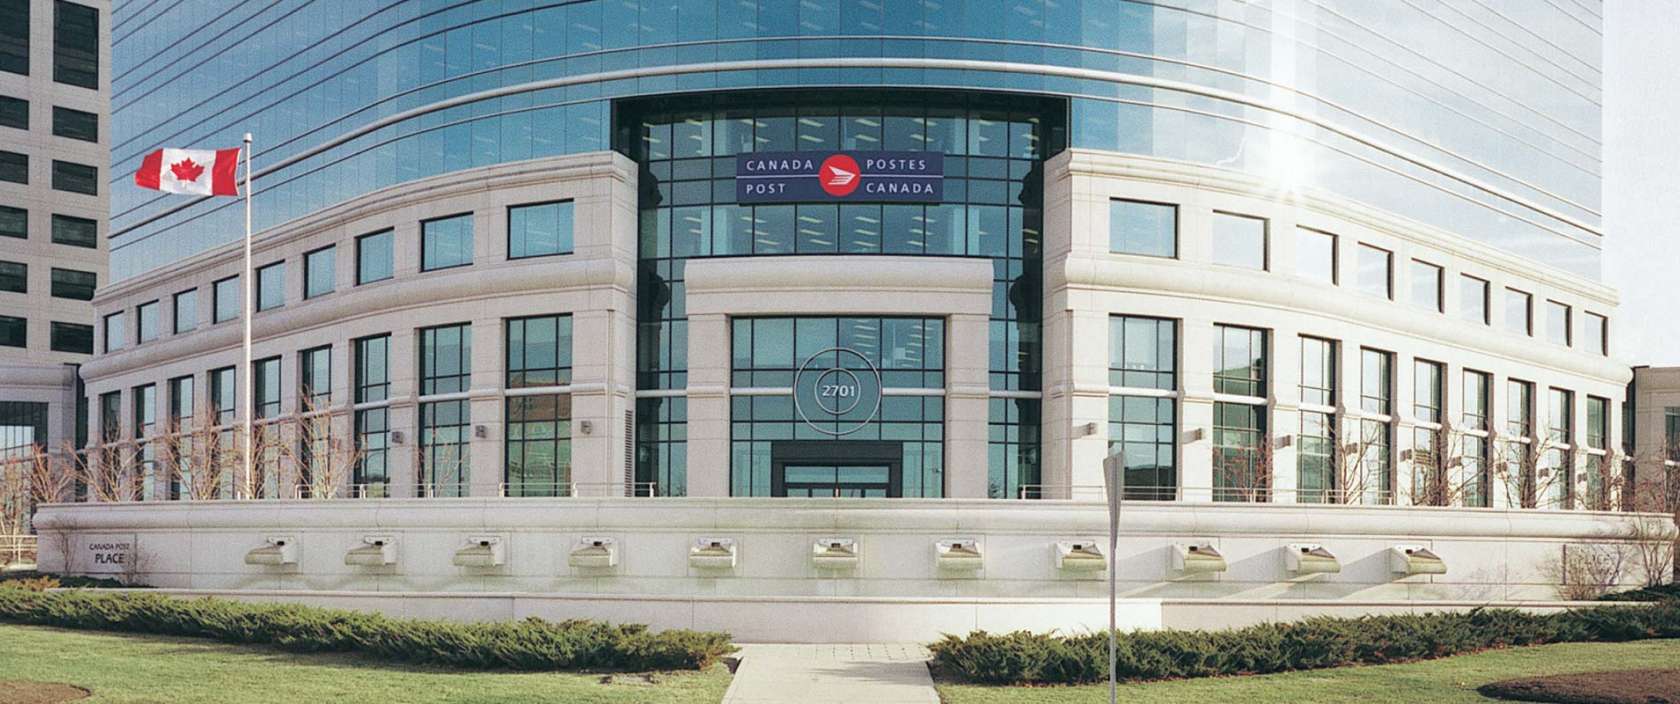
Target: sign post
[{"x": 1114, "y": 483}]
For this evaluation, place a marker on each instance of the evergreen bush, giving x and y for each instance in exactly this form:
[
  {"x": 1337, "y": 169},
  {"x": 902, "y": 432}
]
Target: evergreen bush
[
  {"x": 1023, "y": 657},
  {"x": 531, "y": 644}
]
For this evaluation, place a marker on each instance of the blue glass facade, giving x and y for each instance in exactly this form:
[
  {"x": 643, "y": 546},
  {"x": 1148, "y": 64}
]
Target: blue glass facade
[{"x": 1500, "y": 142}]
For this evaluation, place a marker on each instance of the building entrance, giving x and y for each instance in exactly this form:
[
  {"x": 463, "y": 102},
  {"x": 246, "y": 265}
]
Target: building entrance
[{"x": 836, "y": 468}]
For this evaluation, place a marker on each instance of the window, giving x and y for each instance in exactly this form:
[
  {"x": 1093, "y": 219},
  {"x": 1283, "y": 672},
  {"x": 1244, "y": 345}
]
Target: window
[
  {"x": 146, "y": 322},
  {"x": 14, "y": 222},
  {"x": 14, "y": 167},
  {"x": 445, "y": 368},
  {"x": 186, "y": 311},
  {"x": 14, "y": 331},
  {"x": 539, "y": 229},
  {"x": 271, "y": 286},
  {"x": 179, "y": 424},
  {"x": 14, "y": 112},
  {"x": 72, "y": 337},
  {"x": 110, "y": 419},
  {"x": 1143, "y": 356},
  {"x": 76, "y": 232},
  {"x": 315, "y": 379},
  {"x": 1149, "y": 229},
  {"x": 1519, "y": 312},
  {"x": 72, "y": 284},
  {"x": 373, "y": 257},
  {"x": 1558, "y": 326},
  {"x": 446, "y": 242},
  {"x": 1473, "y": 299},
  {"x": 1316, "y": 455},
  {"x": 116, "y": 332},
  {"x": 1315, "y": 255},
  {"x": 75, "y": 178},
  {"x": 14, "y": 277},
  {"x": 224, "y": 404},
  {"x": 319, "y": 272},
  {"x": 75, "y": 124},
  {"x": 539, "y": 427},
  {"x": 1430, "y": 485},
  {"x": 265, "y": 374},
  {"x": 1374, "y": 481},
  {"x": 1554, "y": 480},
  {"x": 1598, "y": 423},
  {"x": 145, "y": 423},
  {"x": 1376, "y": 271},
  {"x": 1240, "y": 449},
  {"x": 1471, "y": 475},
  {"x": 75, "y": 44},
  {"x": 372, "y": 378},
  {"x": 1426, "y": 286},
  {"x": 1478, "y": 401},
  {"x": 1671, "y": 432},
  {"x": 14, "y": 36},
  {"x": 224, "y": 296},
  {"x": 1428, "y": 391},
  {"x": 1596, "y": 333},
  {"x": 1239, "y": 240}
]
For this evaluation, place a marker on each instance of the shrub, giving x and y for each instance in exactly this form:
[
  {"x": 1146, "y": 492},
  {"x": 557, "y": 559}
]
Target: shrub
[
  {"x": 1656, "y": 593},
  {"x": 531, "y": 644},
  {"x": 1047, "y": 658},
  {"x": 41, "y": 581}
]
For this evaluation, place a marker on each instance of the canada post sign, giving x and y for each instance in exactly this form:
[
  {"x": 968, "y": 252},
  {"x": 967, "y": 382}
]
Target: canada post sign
[{"x": 807, "y": 177}]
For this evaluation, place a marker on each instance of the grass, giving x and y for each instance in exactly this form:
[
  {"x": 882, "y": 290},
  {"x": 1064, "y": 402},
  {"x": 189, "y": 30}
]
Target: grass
[
  {"x": 1441, "y": 681},
  {"x": 124, "y": 668}
]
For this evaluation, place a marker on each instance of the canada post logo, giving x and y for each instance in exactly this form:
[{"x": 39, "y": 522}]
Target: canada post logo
[{"x": 792, "y": 177}]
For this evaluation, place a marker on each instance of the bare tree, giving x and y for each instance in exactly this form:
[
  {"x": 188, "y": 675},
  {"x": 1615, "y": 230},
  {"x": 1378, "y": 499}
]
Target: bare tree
[
  {"x": 320, "y": 460},
  {"x": 1361, "y": 465},
  {"x": 1244, "y": 472}
]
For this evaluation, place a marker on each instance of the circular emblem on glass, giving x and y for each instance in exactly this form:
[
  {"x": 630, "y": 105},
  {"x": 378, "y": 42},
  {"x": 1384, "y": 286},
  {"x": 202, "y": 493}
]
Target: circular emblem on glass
[
  {"x": 839, "y": 175},
  {"x": 837, "y": 391}
]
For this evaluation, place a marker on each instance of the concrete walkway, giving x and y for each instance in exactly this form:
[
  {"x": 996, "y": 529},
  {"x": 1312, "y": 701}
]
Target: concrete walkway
[{"x": 876, "y": 673}]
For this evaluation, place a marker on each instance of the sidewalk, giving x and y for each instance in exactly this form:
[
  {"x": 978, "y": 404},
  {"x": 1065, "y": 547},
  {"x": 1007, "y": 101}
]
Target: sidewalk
[{"x": 876, "y": 673}]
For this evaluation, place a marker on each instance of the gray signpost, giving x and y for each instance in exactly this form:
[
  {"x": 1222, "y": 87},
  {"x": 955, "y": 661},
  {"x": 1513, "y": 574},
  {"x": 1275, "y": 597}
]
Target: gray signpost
[{"x": 1114, "y": 484}]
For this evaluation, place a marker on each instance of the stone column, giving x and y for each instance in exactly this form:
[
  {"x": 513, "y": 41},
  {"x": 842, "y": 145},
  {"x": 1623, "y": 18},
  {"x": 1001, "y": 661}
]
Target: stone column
[
  {"x": 966, "y": 407},
  {"x": 708, "y": 404}
]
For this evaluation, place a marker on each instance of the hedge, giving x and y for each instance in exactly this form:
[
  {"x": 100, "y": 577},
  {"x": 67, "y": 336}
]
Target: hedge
[
  {"x": 42, "y": 581},
  {"x": 531, "y": 644},
  {"x": 1657, "y": 593},
  {"x": 1033, "y": 658}
]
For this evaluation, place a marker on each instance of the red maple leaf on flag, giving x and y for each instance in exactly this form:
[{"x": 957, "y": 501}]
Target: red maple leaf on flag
[{"x": 186, "y": 170}]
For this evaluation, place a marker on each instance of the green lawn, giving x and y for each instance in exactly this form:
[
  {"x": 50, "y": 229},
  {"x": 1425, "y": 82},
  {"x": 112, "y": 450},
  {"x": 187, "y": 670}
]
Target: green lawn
[
  {"x": 154, "y": 670},
  {"x": 1436, "y": 681}
]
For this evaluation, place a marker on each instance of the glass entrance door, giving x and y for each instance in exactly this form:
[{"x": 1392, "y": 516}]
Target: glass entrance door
[{"x": 838, "y": 481}]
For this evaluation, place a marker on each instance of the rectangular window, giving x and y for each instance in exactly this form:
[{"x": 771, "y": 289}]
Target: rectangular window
[
  {"x": 1473, "y": 299},
  {"x": 145, "y": 453},
  {"x": 1149, "y": 229},
  {"x": 1376, "y": 271},
  {"x": 14, "y": 112},
  {"x": 14, "y": 36},
  {"x": 1428, "y": 391},
  {"x": 183, "y": 449},
  {"x": 1596, "y": 334},
  {"x": 1239, "y": 240},
  {"x": 1475, "y": 448},
  {"x": 539, "y": 229},
  {"x": 76, "y": 232},
  {"x": 1241, "y": 451},
  {"x": 1558, "y": 324},
  {"x": 1315, "y": 255},
  {"x": 75, "y": 178},
  {"x": 72, "y": 284},
  {"x": 373, "y": 257},
  {"x": 446, "y": 242},
  {"x": 271, "y": 286},
  {"x": 14, "y": 277},
  {"x": 1143, "y": 356},
  {"x": 1671, "y": 432},
  {"x": 1316, "y": 476},
  {"x": 116, "y": 332},
  {"x": 315, "y": 379},
  {"x": 372, "y": 381},
  {"x": 14, "y": 331},
  {"x": 224, "y": 404},
  {"x": 72, "y": 337},
  {"x": 265, "y": 375},
  {"x": 224, "y": 296},
  {"x": 1430, "y": 478},
  {"x": 1598, "y": 423},
  {"x": 320, "y": 272},
  {"x": 1519, "y": 312},
  {"x": 539, "y": 427},
  {"x": 1373, "y": 481},
  {"x": 146, "y": 322},
  {"x": 14, "y": 167},
  {"x": 14, "y": 222},
  {"x": 1478, "y": 401},
  {"x": 445, "y": 368},
  {"x": 186, "y": 311},
  {"x": 1554, "y": 480},
  {"x": 75, "y": 124},
  {"x": 75, "y": 44},
  {"x": 1426, "y": 286},
  {"x": 110, "y": 417}
]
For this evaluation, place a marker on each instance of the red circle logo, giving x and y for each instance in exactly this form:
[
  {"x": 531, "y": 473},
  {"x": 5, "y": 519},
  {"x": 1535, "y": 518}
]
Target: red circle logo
[{"x": 839, "y": 175}]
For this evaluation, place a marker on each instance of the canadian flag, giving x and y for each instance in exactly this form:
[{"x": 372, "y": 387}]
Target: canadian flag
[{"x": 205, "y": 172}]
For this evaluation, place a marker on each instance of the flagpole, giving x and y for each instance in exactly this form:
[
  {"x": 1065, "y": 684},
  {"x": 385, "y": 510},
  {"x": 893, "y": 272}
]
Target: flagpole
[{"x": 245, "y": 374}]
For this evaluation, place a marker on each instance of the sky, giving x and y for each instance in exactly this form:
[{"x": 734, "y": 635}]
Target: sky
[{"x": 1642, "y": 177}]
